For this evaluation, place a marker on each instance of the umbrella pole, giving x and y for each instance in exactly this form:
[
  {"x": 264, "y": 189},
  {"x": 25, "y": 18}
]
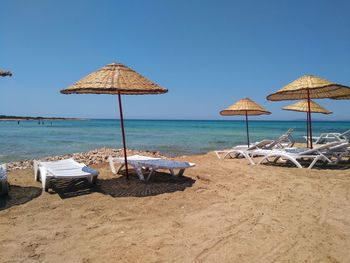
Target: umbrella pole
[
  {"x": 309, "y": 112},
  {"x": 246, "y": 123},
  {"x": 123, "y": 135},
  {"x": 307, "y": 130}
]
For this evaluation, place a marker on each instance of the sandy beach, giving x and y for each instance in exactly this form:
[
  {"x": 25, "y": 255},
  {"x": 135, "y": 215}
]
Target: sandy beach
[
  {"x": 86, "y": 83},
  {"x": 221, "y": 211}
]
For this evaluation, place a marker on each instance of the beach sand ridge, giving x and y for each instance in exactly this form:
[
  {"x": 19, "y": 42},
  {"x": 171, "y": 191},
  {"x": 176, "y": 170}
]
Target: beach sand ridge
[{"x": 221, "y": 211}]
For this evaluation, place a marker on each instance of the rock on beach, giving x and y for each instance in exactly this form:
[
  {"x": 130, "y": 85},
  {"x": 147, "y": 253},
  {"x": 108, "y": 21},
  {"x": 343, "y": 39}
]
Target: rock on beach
[{"x": 95, "y": 156}]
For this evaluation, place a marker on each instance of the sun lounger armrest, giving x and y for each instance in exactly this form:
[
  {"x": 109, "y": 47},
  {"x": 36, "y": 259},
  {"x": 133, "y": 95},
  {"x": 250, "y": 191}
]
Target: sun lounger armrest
[
  {"x": 266, "y": 141},
  {"x": 111, "y": 164},
  {"x": 36, "y": 169},
  {"x": 3, "y": 175}
]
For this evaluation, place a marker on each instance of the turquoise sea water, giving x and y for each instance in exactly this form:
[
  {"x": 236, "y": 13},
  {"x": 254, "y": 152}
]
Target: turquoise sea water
[{"x": 171, "y": 137}]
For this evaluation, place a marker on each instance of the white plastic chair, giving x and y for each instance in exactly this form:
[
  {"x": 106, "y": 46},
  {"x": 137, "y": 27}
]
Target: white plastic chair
[{"x": 67, "y": 169}]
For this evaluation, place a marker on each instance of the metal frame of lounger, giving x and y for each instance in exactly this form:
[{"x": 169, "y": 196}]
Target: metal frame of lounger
[
  {"x": 67, "y": 169},
  {"x": 4, "y": 185},
  {"x": 316, "y": 154},
  {"x": 139, "y": 162}
]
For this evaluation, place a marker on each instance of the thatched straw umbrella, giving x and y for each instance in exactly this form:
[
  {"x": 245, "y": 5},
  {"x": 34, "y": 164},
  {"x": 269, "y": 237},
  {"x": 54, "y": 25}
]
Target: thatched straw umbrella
[
  {"x": 310, "y": 87},
  {"x": 115, "y": 79},
  {"x": 5, "y": 73},
  {"x": 342, "y": 98},
  {"x": 245, "y": 107},
  {"x": 303, "y": 106}
]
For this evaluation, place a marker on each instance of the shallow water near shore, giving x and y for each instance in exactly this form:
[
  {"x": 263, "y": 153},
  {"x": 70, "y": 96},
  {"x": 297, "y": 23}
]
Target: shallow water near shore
[{"x": 28, "y": 139}]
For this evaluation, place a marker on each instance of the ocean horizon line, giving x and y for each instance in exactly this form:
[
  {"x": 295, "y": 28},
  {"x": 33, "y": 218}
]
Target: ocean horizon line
[{"x": 220, "y": 120}]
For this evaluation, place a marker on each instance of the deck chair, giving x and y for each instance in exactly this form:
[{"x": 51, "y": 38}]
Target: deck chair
[
  {"x": 338, "y": 152},
  {"x": 295, "y": 154},
  {"x": 285, "y": 140},
  {"x": 245, "y": 152},
  {"x": 4, "y": 185},
  {"x": 330, "y": 137},
  {"x": 150, "y": 164},
  {"x": 67, "y": 169}
]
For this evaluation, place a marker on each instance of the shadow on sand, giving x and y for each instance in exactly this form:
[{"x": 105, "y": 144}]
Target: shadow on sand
[
  {"x": 318, "y": 165},
  {"x": 160, "y": 183},
  {"x": 19, "y": 195},
  {"x": 72, "y": 188}
]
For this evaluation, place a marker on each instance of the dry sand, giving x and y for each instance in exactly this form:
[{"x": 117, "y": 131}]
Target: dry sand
[{"x": 222, "y": 211}]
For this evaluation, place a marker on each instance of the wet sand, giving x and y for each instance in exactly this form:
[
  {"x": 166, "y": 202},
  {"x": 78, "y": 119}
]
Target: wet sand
[{"x": 221, "y": 211}]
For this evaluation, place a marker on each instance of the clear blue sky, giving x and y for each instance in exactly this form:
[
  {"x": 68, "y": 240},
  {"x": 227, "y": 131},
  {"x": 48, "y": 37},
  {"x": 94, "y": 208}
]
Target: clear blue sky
[{"x": 209, "y": 54}]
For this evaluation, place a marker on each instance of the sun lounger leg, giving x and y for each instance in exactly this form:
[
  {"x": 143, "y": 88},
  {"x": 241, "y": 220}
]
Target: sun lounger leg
[
  {"x": 120, "y": 168},
  {"x": 45, "y": 182},
  {"x": 266, "y": 158},
  {"x": 139, "y": 173},
  {"x": 151, "y": 173},
  {"x": 338, "y": 158},
  {"x": 181, "y": 172},
  {"x": 6, "y": 188},
  {"x": 217, "y": 154},
  {"x": 92, "y": 179},
  {"x": 320, "y": 157},
  {"x": 313, "y": 162},
  {"x": 292, "y": 160},
  {"x": 36, "y": 170},
  {"x": 249, "y": 159},
  {"x": 89, "y": 179},
  {"x": 227, "y": 154},
  {"x": 112, "y": 166},
  {"x": 276, "y": 159},
  {"x": 232, "y": 154},
  {"x": 44, "y": 179}
]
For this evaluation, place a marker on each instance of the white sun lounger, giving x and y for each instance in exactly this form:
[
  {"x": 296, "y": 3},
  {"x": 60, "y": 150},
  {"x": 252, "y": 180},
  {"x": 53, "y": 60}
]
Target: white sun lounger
[
  {"x": 4, "y": 185},
  {"x": 240, "y": 150},
  {"x": 64, "y": 169},
  {"x": 336, "y": 153},
  {"x": 295, "y": 154},
  {"x": 285, "y": 140},
  {"x": 139, "y": 162},
  {"x": 330, "y": 137}
]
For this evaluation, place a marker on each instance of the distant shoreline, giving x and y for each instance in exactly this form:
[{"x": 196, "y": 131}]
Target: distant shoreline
[
  {"x": 19, "y": 118},
  {"x": 27, "y": 118}
]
